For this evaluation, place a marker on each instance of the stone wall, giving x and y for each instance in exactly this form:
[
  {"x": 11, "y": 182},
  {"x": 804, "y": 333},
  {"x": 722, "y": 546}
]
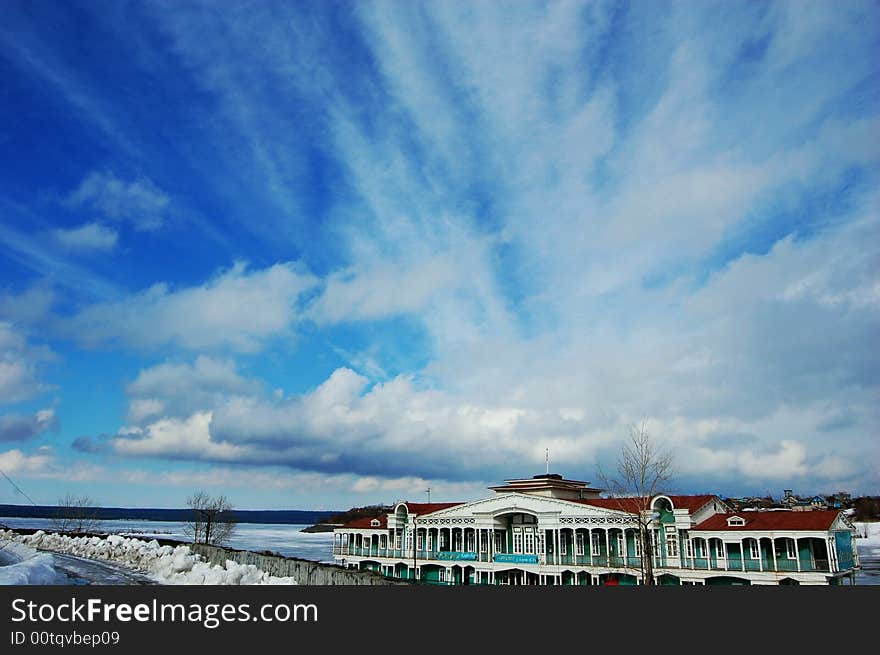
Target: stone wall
[{"x": 303, "y": 571}]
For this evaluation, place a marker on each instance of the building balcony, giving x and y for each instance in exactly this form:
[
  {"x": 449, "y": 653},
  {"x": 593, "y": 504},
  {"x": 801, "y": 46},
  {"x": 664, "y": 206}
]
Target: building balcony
[{"x": 781, "y": 565}]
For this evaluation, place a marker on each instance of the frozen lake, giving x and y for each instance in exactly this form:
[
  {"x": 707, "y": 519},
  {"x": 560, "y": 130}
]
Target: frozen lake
[{"x": 283, "y": 538}]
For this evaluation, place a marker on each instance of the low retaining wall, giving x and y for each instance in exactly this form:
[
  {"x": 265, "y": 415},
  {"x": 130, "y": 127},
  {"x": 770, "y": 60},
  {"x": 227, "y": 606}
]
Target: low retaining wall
[{"x": 305, "y": 572}]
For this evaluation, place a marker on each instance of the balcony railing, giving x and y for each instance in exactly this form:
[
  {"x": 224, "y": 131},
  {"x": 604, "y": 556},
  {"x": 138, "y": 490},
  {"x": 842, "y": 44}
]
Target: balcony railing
[{"x": 782, "y": 565}]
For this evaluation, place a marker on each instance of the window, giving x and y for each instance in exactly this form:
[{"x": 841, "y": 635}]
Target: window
[
  {"x": 754, "y": 551},
  {"x": 671, "y": 545},
  {"x": 442, "y": 539},
  {"x": 517, "y": 540},
  {"x": 790, "y": 549},
  {"x": 430, "y": 541},
  {"x": 688, "y": 547},
  {"x": 397, "y": 541},
  {"x": 719, "y": 545},
  {"x": 581, "y": 539},
  {"x": 442, "y": 575},
  {"x": 499, "y": 542},
  {"x": 736, "y": 521},
  {"x": 383, "y": 541},
  {"x": 539, "y": 539},
  {"x": 484, "y": 543},
  {"x": 563, "y": 544},
  {"x": 621, "y": 544},
  {"x": 596, "y": 543},
  {"x": 366, "y": 542},
  {"x": 529, "y": 541},
  {"x": 637, "y": 546},
  {"x": 698, "y": 548},
  {"x": 470, "y": 542},
  {"x": 375, "y": 523},
  {"x": 420, "y": 542}
]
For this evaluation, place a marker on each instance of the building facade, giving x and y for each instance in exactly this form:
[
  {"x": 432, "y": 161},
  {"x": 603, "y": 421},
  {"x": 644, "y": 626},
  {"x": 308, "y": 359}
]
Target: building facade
[{"x": 548, "y": 530}]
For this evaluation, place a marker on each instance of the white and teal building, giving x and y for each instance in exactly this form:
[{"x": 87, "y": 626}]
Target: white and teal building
[{"x": 547, "y": 530}]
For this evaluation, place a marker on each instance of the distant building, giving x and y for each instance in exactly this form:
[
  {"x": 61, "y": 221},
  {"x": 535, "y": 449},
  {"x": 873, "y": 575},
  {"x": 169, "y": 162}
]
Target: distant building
[{"x": 547, "y": 530}]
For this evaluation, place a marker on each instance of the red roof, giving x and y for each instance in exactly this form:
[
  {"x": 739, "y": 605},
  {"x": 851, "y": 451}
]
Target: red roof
[
  {"x": 636, "y": 504},
  {"x": 781, "y": 520},
  {"x": 427, "y": 508},
  {"x": 632, "y": 505},
  {"x": 690, "y": 503},
  {"x": 368, "y": 522}
]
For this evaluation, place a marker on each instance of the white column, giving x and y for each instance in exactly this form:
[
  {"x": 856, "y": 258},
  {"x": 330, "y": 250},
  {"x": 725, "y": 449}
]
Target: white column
[
  {"x": 797, "y": 554},
  {"x": 608, "y": 546}
]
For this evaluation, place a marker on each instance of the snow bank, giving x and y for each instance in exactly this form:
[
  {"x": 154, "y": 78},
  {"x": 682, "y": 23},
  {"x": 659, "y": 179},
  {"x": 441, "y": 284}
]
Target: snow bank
[
  {"x": 164, "y": 564},
  {"x": 870, "y": 543},
  {"x": 22, "y": 565}
]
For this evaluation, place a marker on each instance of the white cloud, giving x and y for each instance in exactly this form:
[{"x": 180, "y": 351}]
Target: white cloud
[
  {"x": 139, "y": 201},
  {"x": 591, "y": 226},
  {"x": 16, "y": 461},
  {"x": 19, "y": 364},
  {"x": 43, "y": 463},
  {"x": 179, "y": 389},
  {"x": 28, "y": 307},
  {"x": 89, "y": 237},
  {"x": 238, "y": 309},
  {"x": 385, "y": 290},
  {"x": 176, "y": 439}
]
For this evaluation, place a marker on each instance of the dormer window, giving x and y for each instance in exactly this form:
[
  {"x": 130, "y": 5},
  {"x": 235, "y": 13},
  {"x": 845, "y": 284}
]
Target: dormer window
[
  {"x": 736, "y": 521},
  {"x": 374, "y": 523}
]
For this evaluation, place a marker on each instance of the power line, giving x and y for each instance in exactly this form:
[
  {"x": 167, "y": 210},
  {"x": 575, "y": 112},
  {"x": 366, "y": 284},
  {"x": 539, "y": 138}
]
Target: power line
[{"x": 17, "y": 488}]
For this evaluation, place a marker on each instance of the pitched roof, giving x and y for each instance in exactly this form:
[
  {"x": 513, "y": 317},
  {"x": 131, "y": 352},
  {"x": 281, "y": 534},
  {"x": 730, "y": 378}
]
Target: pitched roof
[
  {"x": 780, "y": 520},
  {"x": 636, "y": 503},
  {"x": 633, "y": 504},
  {"x": 691, "y": 503},
  {"x": 367, "y": 521},
  {"x": 426, "y": 508}
]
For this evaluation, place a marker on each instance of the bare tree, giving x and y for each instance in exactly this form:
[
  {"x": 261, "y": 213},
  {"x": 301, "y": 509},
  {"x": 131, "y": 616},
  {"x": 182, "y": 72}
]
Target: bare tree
[
  {"x": 212, "y": 521},
  {"x": 76, "y": 514},
  {"x": 643, "y": 469}
]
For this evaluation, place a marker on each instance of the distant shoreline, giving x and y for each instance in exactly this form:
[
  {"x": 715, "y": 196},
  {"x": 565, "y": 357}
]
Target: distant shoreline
[{"x": 286, "y": 516}]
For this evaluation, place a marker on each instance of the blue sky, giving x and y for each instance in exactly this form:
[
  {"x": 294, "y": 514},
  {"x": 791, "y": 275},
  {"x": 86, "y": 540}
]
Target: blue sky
[{"x": 321, "y": 254}]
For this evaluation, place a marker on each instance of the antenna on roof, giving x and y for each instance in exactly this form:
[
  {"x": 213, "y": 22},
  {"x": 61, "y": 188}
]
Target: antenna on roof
[
  {"x": 547, "y": 459},
  {"x": 428, "y": 491}
]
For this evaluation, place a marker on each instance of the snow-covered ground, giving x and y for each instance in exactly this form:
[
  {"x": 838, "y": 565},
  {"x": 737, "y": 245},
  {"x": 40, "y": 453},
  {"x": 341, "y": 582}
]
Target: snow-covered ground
[
  {"x": 283, "y": 538},
  {"x": 20, "y": 564},
  {"x": 868, "y": 539},
  {"x": 163, "y": 564},
  {"x": 868, "y": 546}
]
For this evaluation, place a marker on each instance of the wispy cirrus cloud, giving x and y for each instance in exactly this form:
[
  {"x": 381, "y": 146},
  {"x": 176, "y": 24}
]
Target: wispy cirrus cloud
[
  {"x": 89, "y": 237},
  {"x": 138, "y": 201},
  {"x": 592, "y": 214}
]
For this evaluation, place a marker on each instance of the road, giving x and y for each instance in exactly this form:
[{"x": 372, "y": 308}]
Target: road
[{"x": 82, "y": 571}]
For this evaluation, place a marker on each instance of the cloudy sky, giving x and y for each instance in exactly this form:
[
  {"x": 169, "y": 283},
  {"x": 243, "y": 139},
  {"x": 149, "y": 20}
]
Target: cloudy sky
[{"x": 318, "y": 254}]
